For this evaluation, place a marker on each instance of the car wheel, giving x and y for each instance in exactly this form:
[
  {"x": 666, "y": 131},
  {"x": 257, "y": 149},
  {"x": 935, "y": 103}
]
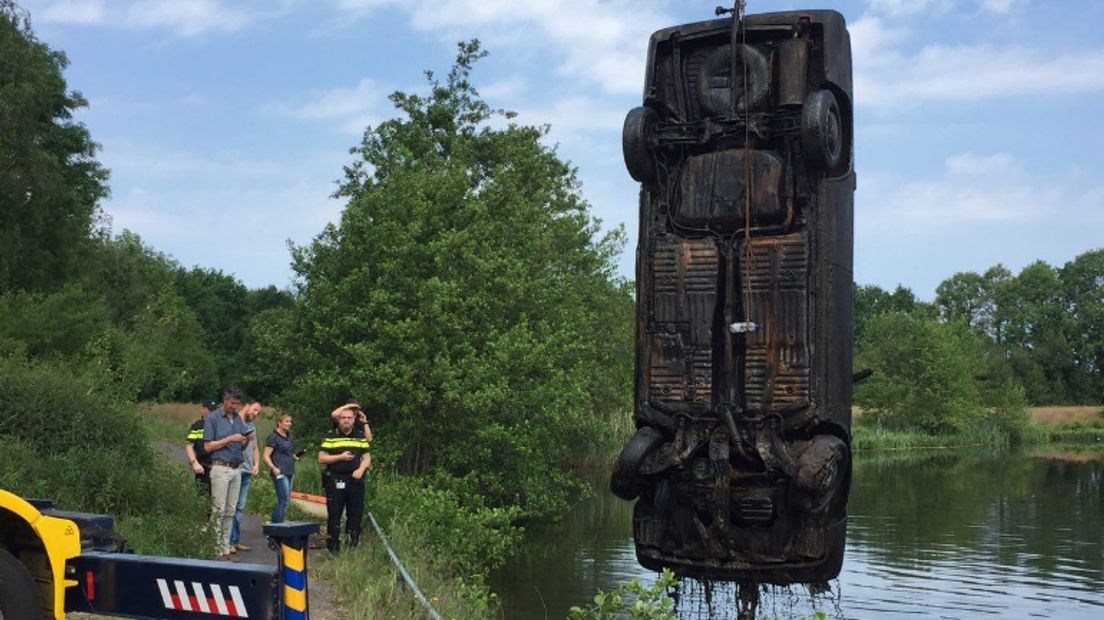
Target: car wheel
[
  {"x": 822, "y": 131},
  {"x": 639, "y": 127},
  {"x": 821, "y": 473},
  {"x": 19, "y": 595},
  {"x": 624, "y": 481}
]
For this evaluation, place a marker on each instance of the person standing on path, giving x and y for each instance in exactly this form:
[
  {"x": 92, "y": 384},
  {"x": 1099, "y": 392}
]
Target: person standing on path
[
  {"x": 193, "y": 448},
  {"x": 344, "y": 452},
  {"x": 279, "y": 455},
  {"x": 251, "y": 464},
  {"x": 224, "y": 438}
]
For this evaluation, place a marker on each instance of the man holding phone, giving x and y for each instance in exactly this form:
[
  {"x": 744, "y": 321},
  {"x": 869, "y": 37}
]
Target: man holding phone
[
  {"x": 224, "y": 437},
  {"x": 344, "y": 452}
]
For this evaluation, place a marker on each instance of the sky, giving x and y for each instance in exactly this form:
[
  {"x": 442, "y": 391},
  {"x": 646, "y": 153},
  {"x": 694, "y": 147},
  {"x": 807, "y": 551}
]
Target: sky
[{"x": 226, "y": 123}]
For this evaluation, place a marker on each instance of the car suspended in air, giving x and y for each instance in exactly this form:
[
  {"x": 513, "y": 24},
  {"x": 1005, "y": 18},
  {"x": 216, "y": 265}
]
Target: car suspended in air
[{"x": 741, "y": 461}]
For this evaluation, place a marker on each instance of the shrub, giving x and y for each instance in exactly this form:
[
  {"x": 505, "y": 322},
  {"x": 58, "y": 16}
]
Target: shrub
[
  {"x": 68, "y": 439},
  {"x": 935, "y": 378},
  {"x": 632, "y": 600},
  {"x": 457, "y": 526}
]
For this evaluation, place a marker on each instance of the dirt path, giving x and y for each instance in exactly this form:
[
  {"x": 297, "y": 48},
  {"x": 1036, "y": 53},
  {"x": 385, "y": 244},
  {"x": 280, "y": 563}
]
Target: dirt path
[{"x": 323, "y": 602}]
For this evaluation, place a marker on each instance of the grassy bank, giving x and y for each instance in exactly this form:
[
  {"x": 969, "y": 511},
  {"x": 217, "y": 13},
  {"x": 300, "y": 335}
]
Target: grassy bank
[{"x": 1076, "y": 424}]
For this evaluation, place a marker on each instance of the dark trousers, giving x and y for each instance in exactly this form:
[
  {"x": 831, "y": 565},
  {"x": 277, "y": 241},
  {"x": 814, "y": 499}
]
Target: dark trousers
[
  {"x": 349, "y": 500},
  {"x": 204, "y": 479}
]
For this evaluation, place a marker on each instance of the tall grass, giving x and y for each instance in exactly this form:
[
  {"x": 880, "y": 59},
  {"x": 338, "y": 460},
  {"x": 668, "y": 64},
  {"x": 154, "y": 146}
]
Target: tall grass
[
  {"x": 868, "y": 437},
  {"x": 368, "y": 583}
]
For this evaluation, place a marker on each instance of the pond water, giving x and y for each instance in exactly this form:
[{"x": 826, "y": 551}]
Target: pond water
[{"x": 930, "y": 535}]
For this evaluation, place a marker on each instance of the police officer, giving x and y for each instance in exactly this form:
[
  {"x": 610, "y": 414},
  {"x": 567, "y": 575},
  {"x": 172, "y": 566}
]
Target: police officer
[
  {"x": 198, "y": 458},
  {"x": 344, "y": 452}
]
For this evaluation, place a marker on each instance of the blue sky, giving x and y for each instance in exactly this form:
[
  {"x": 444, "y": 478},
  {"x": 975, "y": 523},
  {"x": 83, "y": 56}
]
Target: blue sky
[{"x": 226, "y": 122}]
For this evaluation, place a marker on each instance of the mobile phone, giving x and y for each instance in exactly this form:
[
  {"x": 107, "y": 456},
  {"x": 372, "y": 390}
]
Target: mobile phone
[
  {"x": 300, "y": 453},
  {"x": 249, "y": 432}
]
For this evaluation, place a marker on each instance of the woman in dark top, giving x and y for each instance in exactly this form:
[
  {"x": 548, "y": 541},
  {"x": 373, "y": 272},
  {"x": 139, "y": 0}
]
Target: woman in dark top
[{"x": 279, "y": 455}]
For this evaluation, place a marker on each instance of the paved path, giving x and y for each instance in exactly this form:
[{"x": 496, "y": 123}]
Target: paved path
[{"x": 321, "y": 593}]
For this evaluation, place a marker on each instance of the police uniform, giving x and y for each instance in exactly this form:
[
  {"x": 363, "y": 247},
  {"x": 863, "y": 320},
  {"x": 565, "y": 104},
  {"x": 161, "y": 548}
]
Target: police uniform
[
  {"x": 343, "y": 492},
  {"x": 195, "y": 437}
]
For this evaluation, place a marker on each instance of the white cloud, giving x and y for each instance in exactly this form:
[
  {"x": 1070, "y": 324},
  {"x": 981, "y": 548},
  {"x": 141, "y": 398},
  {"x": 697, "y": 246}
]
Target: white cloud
[
  {"x": 888, "y": 77},
  {"x": 150, "y": 162},
  {"x": 353, "y": 107},
  {"x": 184, "y": 18},
  {"x": 975, "y": 190},
  {"x": 971, "y": 164},
  {"x": 506, "y": 88},
  {"x": 1000, "y": 6},
  {"x": 576, "y": 115},
  {"x": 600, "y": 41},
  {"x": 900, "y": 8},
  {"x": 83, "y": 12},
  {"x": 903, "y": 8}
]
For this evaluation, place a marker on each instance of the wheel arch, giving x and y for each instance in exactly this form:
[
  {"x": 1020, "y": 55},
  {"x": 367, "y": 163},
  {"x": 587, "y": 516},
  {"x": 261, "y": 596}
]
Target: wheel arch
[{"x": 43, "y": 544}]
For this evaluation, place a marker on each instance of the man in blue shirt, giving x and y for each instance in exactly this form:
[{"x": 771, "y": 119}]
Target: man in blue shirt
[{"x": 225, "y": 436}]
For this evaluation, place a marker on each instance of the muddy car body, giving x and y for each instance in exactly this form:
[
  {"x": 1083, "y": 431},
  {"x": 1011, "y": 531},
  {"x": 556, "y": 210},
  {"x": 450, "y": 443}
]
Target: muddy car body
[{"x": 743, "y": 147}]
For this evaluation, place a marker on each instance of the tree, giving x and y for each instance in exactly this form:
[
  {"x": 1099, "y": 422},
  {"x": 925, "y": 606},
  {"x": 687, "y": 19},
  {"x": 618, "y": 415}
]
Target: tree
[
  {"x": 467, "y": 299},
  {"x": 1083, "y": 287},
  {"x": 976, "y": 300},
  {"x": 934, "y": 377},
  {"x": 50, "y": 181},
  {"x": 871, "y": 300}
]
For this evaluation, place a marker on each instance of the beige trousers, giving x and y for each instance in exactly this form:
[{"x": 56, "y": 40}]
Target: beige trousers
[{"x": 225, "y": 486}]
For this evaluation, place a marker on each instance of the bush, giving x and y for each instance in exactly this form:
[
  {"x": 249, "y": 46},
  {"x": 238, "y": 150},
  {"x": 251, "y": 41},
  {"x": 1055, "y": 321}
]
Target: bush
[
  {"x": 935, "y": 378},
  {"x": 632, "y": 600},
  {"x": 457, "y": 526},
  {"x": 67, "y": 439}
]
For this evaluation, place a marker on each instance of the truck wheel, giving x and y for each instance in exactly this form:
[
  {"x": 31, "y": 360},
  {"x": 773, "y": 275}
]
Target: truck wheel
[
  {"x": 822, "y": 130},
  {"x": 623, "y": 480},
  {"x": 639, "y": 126},
  {"x": 19, "y": 596}
]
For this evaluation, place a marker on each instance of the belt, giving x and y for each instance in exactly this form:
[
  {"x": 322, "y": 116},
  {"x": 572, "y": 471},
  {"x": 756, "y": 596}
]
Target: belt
[{"x": 225, "y": 463}]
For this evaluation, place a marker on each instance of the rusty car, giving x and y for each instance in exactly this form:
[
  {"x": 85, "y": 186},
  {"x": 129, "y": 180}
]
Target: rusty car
[{"x": 743, "y": 145}]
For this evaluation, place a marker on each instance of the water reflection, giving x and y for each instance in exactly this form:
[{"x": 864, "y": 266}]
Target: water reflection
[{"x": 939, "y": 535}]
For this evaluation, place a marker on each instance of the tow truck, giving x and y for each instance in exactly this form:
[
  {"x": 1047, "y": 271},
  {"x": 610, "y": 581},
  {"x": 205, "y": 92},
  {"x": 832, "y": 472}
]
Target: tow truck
[{"x": 54, "y": 561}]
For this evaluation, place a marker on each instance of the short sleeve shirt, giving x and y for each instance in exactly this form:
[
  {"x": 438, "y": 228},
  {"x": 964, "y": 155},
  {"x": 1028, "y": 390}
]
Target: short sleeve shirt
[
  {"x": 247, "y": 449},
  {"x": 283, "y": 452},
  {"x": 336, "y": 442},
  {"x": 195, "y": 437},
  {"x": 218, "y": 426}
]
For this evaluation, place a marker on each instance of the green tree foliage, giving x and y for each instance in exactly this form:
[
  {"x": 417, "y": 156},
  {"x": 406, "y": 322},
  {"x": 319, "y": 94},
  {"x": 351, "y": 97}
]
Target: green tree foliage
[
  {"x": 935, "y": 377},
  {"x": 50, "y": 181},
  {"x": 1083, "y": 288},
  {"x": 467, "y": 299},
  {"x": 1045, "y": 322},
  {"x": 872, "y": 300}
]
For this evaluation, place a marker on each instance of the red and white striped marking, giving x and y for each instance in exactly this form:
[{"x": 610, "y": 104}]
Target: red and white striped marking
[{"x": 177, "y": 597}]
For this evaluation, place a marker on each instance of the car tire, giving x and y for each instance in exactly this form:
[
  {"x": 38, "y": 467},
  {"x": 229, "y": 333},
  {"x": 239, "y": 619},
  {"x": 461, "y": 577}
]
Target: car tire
[
  {"x": 624, "y": 481},
  {"x": 639, "y": 127},
  {"x": 822, "y": 130},
  {"x": 19, "y": 595},
  {"x": 822, "y": 471}
]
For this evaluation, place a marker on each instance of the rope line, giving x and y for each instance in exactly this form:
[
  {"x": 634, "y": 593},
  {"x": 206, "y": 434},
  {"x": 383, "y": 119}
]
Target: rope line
[{"x": 430, "y": 611}]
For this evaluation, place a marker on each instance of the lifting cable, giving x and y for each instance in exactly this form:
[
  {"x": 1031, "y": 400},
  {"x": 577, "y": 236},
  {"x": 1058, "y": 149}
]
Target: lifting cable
[{"x": 741, "y": 7}]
